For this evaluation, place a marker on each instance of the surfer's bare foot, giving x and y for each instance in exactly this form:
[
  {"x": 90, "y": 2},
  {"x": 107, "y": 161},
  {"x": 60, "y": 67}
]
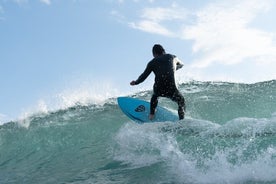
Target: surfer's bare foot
[{"x": 151, "y": 116}]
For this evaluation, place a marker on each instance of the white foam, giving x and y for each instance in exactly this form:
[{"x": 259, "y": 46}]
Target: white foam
[
  {"x": 220, "y": 170},
  {"x": 131, "y": 148},
  {"x": 3, "y": 119},
  {"x": 146, "y": 145},
  {"x": 83, "y": 94}
]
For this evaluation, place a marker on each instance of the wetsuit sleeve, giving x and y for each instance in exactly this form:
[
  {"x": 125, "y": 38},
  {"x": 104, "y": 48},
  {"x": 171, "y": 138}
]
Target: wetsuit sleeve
[
  {"x": 145, "y": 74},
  {"x": 179, "y": 64}
]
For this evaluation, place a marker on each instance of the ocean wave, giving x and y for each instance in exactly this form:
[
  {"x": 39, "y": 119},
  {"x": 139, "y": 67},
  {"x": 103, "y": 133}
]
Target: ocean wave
[{"x": 228, "y": 136}]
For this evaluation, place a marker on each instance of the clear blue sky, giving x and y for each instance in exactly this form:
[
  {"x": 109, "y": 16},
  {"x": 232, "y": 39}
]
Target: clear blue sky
[{"x": 66, "y": 51}]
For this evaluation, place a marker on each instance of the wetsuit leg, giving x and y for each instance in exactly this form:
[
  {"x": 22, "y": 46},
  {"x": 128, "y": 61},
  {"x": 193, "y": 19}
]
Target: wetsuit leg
[
  {"x": 179, "y": 99},
  {"x": 153, "y": 103}
]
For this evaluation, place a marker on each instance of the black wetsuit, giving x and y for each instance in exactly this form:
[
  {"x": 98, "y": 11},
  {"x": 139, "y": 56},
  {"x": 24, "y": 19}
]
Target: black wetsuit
[{"x": 164, "y": 86}]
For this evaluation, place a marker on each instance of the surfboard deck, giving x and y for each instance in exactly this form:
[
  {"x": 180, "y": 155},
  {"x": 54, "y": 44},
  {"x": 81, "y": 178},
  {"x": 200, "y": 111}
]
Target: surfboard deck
[{"x": 139, "y": 110}]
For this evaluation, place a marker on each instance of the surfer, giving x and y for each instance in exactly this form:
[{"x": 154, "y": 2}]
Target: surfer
[{"x": 163, "y": 65}]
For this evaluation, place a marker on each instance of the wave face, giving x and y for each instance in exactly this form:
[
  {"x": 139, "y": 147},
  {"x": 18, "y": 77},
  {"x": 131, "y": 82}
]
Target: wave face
[{"x": 228, "y": 136}]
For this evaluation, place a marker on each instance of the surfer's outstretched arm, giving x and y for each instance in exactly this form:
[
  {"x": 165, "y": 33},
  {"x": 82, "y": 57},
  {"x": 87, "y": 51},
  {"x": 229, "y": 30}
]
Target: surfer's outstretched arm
[{"x": 143, "y": 76}]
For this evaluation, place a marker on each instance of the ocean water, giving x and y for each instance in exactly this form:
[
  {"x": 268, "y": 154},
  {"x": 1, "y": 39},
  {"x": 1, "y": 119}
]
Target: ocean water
[{"x": 228, "y": 136}]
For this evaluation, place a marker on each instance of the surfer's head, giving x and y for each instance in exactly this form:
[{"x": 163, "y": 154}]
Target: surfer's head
[{"x": 158, "y": 50}]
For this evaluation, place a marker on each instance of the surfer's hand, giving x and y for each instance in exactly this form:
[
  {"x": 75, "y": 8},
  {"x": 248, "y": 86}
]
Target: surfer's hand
[{"x": 133, "y": 83}]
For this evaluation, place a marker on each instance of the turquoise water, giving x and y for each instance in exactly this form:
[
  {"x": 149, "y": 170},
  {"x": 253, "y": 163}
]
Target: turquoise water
[{"x": 228, "y": 136}]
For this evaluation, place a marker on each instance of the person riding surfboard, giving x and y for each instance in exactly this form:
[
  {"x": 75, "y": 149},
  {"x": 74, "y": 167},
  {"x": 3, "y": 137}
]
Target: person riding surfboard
[{"x": 163, "y": 65}]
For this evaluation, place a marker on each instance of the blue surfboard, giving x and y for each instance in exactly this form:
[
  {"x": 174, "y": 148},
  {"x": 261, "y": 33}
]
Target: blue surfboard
[{"x": 139, "y": 110}]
